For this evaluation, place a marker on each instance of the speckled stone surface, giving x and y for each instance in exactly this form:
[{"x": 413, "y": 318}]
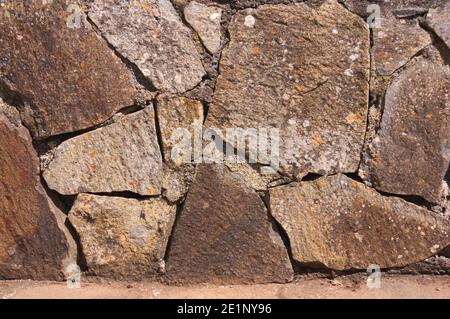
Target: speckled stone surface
[
  {"x": 123, "y": 238},
  {"x": 122, "y": 156},
  {"x": 67, "y": 79},
  {"x": 338, "y": 223},
  {"x": 275, "y": 75}
]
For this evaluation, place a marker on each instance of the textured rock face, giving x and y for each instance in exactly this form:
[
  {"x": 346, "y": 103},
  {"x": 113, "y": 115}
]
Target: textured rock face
[
  {"x": 276, "y": 74},
  {"x": 121, "y": 237},
  {"x": 224, "y": 235},
  {"x": 342, "y": 224},
  {"x": 55, "y": 70},
  {"x": 34, "y": 244},
  {"x": 123, "y": 156},
  {"x": 439, "y": 21},
  {"x": 11, "y": 113},
  {"x": 411, "y": 154},
  {"x": 206, "y": 22},
  {"x": 150, "y": 34},
  {"x": 176, "y": 114},
  {"x": 400, "y": 8},
  {"x": 396, "y": 42}
]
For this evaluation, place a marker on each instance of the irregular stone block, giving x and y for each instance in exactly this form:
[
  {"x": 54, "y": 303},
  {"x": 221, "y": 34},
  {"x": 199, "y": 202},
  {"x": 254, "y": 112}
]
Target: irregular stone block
[
  {"x": 66, "y": 77},
  {"x": 224, "y": 234},
  {"x": 396, "y": 42},
  {"x": 303, "y": 71},
  {"x": 123, "y": 156},
  {"x": 439, "y": 21},
  {"x": 122, "y": 237},
  {"x": 411, "y": 153},
  {"x": 205, "y": 20},
  {"x": 34, "y": 241},
  {"x": 175, "y": 115},
  {"x": 150, "y": 34},
  {"x": 338, "y": 223}
]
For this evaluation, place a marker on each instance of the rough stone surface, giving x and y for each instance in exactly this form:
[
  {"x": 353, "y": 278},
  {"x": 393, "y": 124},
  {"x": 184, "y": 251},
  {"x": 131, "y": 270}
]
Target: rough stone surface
[
  {"x": 439, "y": 21},
  {"x": 342, "y": 224},
  {"x": 11, "y": 113},
  {"x": 150, "y": 34},
  {"x": 224, "y": 235},
  {"x": 54, "y": 70},
  {"x": 176, "y": 114},
  {"x": 122, "y": 237},
  {"x": 396, "y": 42},
  {"x": 393, "y": 7},
  {"x": 411, "y": 153},
  {"x": 205, "y": 20},
  {"x": 436, "y": 265},
  {"x": 34, "y": 243},
  {"x": 176, "y": 182},
  {"x": 123, "y": 156},
  {"x": 276, "y": 74},
  {"x": 254, "y": 176}
]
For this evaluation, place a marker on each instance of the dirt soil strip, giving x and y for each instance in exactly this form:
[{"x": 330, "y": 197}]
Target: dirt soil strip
[{"x": 344, "y": 287}]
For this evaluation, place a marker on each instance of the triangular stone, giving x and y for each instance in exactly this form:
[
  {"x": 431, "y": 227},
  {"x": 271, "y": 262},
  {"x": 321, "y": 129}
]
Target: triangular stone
[{"x": 224, "y": 234}]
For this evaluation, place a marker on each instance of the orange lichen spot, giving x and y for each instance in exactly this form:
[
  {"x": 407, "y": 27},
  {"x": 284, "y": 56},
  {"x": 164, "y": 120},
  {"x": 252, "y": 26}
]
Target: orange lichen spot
[
  {"x": 298, "y": 88},
  {"x": 255, "y": 50},
  {"x": 150, "y": 191},
  {"x": 316, "y": 139},
  {"x": 132, "y": 184},
  {"x": 353, "y": 117},
  {"x": 376, "y": 161}
]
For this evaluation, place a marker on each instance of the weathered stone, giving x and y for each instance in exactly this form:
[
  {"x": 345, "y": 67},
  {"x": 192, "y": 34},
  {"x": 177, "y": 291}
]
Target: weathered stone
[
  {"x": 206, "y": 22},
  {"x": 34, "y": 241},
  {"x": 122, "y": 237},
  {"x": 254, "y": 176},
  {"x": 150, "y": 34},
  {"x": 224, "y": 234},
  {"x": 411, "y": 153},
  {"x": 123, "y": 156},
  {"x": 439, "y": 21},
  {"x": 341, "y": 224},
  {"x": 11, "y": 113},
  {"x": 396, "y": 42},
  {"x": 175, "y": 115},
  {"x": 67, "y": 78},
  {"x": 176, "y": 182},
  {"x": 303, "y": 71},
  {"x": 390, "y": 7}
]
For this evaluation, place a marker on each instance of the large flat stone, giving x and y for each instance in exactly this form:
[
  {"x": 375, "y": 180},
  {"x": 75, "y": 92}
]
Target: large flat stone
[
  {"x": 150, "y": 34},
  {"x": 224, "y": 234},
  {"x": 34, "y": 241},
  {"x": 67, "y": 78},
  {"x": 338, "y": 223},
  {"x": 411, "y": 153},
  {"x": 122, "y": 237},
  {"x": 304, "y": 71},
  {"x": 123, "y": 156}
]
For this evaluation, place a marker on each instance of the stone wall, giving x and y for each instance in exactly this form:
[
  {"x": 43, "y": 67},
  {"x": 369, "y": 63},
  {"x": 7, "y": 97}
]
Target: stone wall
[{"x": 96, "y": 97}]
